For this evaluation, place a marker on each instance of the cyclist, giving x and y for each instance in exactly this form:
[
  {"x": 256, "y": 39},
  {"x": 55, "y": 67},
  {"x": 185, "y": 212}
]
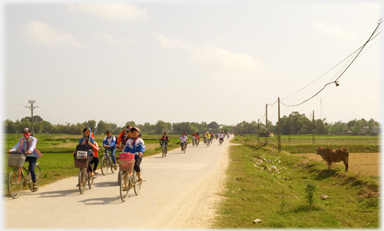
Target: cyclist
[
  {"x": 124, "y": 136},
  {"x": 109, "y": 143},
  {"x": 221, "y": 136},
  {"x": 207, "y": 137},
  {"x": 193, "y": 138},
  {"x": 89, "y": 141},
  {"x": 211, "y": 138},
  {"x": 165, "y": 140},
  {"x": 197, "y": 137},
  {"x": 95, "y": 160},
  {"x": 27, "y": 145},
  {"x": 183, "y": 139},
  {"x": 136, "y": 145}
]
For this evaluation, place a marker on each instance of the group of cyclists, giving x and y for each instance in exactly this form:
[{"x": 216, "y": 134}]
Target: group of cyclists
[
  {"x": 208, "y": 137},
  {"x": 128, "y": 141}
]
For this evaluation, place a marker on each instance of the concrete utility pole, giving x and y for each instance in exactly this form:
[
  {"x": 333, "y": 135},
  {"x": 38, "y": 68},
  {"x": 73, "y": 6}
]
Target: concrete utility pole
[
  {"x": 32, "y": 108},
  {"x": 258, "y": 131},
  {"x": 313, "y": 127},
  {"x": 266, "y": 123},
  {"x": 279, "y": 135}
]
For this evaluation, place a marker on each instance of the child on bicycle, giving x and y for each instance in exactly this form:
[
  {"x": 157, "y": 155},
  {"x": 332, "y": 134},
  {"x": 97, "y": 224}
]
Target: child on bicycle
[
  {"x": 95, "y": 160},
  {"x": 124, "y": 136},
  {"x": 109, "y": 143},
  {"x": 27, "y": 145},
  {"x": 136, "y": 145},
  {"x": 88, "y": 140},
  {"x": 164, "y": 140},
  {"x": 183, "y": 139}
]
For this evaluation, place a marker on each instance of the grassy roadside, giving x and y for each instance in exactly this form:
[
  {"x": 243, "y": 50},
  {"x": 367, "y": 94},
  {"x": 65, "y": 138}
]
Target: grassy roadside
[
  {"x": 303, "y": 144},
  {"x": 57, "y": 162},
  {"x": 255, "y": 191}
]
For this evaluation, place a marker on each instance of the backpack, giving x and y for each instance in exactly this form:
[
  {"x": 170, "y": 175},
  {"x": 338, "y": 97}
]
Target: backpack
[{"x": 81, "y": 152}]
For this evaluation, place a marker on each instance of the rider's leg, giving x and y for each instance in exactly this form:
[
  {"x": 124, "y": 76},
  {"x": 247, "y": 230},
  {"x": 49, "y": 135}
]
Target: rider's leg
[
  {"x": 113, "y": 155},
  {"x": 96, "y": 163},
  {"x": 31, "y": 167},
  {"x": 137, "y": 167}
]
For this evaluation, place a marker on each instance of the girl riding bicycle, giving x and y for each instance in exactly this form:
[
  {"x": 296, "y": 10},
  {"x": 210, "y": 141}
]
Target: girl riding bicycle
[
  {"x": 27, "y": 145},
  {"x": 136, "y": 145},
  {"x": 88, "y": 140}
]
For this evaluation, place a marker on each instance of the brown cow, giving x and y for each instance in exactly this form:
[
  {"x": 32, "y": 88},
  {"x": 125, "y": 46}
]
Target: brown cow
[{"x": 334, "y": 155}]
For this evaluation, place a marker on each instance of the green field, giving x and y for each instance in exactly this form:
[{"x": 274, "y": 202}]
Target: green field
[
  {"x": 57, "y": 161},
  {"x": 303, "y": 143},
  {"x": 255, "y": 191}
]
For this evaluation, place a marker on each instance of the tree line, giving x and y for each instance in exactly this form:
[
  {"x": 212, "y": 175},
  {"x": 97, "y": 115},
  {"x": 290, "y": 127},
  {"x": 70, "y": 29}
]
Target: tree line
[{"x": 294, "y": 123}]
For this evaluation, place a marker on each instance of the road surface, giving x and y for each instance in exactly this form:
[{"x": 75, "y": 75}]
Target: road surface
[{"x": 180, "y": 191}]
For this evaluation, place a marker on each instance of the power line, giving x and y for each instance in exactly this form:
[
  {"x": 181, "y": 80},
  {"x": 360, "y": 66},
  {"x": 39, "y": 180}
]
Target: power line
[
  {"x": 360, "y": 48},
  {"x": 335, "y": 81}
]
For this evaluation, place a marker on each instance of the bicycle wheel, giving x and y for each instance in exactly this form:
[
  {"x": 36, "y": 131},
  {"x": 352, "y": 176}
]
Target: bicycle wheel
[
  {"x": 90, "y": 181},
  {"x": 137, "y": 184},
  {"x": 110, "y": 163},
  {"x": 38, "y": 178},
  {"x": 163, "y": 152},
  {"x": 124, "y": 185},
  {"x": 82, "y": 180},
  {"x": 15, "y": 183},
  {"x": 184, "y": 148},
  {"x": 104, "y": 165}
]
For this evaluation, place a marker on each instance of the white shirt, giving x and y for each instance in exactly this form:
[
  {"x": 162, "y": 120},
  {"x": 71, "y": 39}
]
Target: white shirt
[{"x": 183, "y": 138}]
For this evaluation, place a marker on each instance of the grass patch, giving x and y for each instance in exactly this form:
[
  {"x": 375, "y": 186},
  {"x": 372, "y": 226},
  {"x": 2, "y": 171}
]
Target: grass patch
[
  {"x": 303, "y": 143},
  {"x": 254, "y": 190}
]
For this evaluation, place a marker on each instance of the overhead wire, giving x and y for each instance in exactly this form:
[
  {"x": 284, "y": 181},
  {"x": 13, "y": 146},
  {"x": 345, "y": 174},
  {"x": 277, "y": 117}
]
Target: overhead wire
[
  {"x": 335, "y": 81},
  {"x": 371, "y": 38}
]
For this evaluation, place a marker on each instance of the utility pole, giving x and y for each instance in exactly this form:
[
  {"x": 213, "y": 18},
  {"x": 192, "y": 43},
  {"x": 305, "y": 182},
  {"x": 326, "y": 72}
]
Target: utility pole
[
  {"x": 279, "y": 135},
  {"x": 31, "y": 108},
  {"x": 258, "y": 131},
  {"x": 266, "y": 123},
  {"x": 313, "y": 127},
  {"x": 321, "y": 105}
]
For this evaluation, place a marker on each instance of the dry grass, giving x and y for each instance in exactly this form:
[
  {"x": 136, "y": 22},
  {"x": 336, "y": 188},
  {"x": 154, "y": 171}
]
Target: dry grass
[{"x": 366, "y": 164}]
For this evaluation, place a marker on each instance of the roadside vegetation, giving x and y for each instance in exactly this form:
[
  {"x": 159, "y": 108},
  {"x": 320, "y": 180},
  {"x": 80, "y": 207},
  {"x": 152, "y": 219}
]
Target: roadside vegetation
[{"x": 284, "y": 190}]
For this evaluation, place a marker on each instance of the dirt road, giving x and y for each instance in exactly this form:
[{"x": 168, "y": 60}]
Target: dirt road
[{"x": 180, "y": 191}]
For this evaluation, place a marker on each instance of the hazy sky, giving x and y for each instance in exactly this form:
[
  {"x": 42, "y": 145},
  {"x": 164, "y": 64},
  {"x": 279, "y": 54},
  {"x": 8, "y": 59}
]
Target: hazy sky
[{"x": 190, "y": 61}]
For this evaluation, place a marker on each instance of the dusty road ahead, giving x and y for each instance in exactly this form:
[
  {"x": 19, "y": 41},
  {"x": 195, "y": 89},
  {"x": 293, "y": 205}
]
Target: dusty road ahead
[{"x": 180, "y": 191}]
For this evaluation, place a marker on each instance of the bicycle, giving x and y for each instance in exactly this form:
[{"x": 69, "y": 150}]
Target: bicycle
[
  {"x": 17, "y": 178},
  {"x": 164, "y": 149},
  {"x": 208, "y": 142},
  {"x": 128, "y": 178},
  {"x": 84, "y": 175},
  {"x": 106, "y": 162},
  {"x": 184, "y": 147}
]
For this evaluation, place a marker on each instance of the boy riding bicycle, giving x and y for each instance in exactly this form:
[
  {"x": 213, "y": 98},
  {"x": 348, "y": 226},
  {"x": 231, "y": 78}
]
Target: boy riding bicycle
[
  {"x": 183, "y": 139},
  {"x": 136, "y": 145},
  {"x": 109, "y": 143}
]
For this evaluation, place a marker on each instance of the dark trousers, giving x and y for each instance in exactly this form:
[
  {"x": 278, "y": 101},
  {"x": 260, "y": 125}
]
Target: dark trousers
[
  {"x": 95, "y": 161},
  {"x": 31, "y": 167},
  {"x": 137, "y": 164}
]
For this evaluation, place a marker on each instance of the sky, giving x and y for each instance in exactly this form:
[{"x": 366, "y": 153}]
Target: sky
[{"x": 189, "y": 61}]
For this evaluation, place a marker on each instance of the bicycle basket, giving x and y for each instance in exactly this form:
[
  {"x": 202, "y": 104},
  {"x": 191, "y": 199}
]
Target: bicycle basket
[
  {"x": 81, "y": 163},
  {"x": 126, "y": 165},
  {"x": 126, "y": 162},
  {"x": 16, "y": 160}
]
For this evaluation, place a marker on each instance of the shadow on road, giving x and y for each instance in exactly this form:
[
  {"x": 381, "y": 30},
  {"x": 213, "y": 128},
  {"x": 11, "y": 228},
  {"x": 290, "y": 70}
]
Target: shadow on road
[
  {"x": 102, "y": 201},
  {"x": 60, "y": 193},
  {"x": 106, "y": 184}
]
